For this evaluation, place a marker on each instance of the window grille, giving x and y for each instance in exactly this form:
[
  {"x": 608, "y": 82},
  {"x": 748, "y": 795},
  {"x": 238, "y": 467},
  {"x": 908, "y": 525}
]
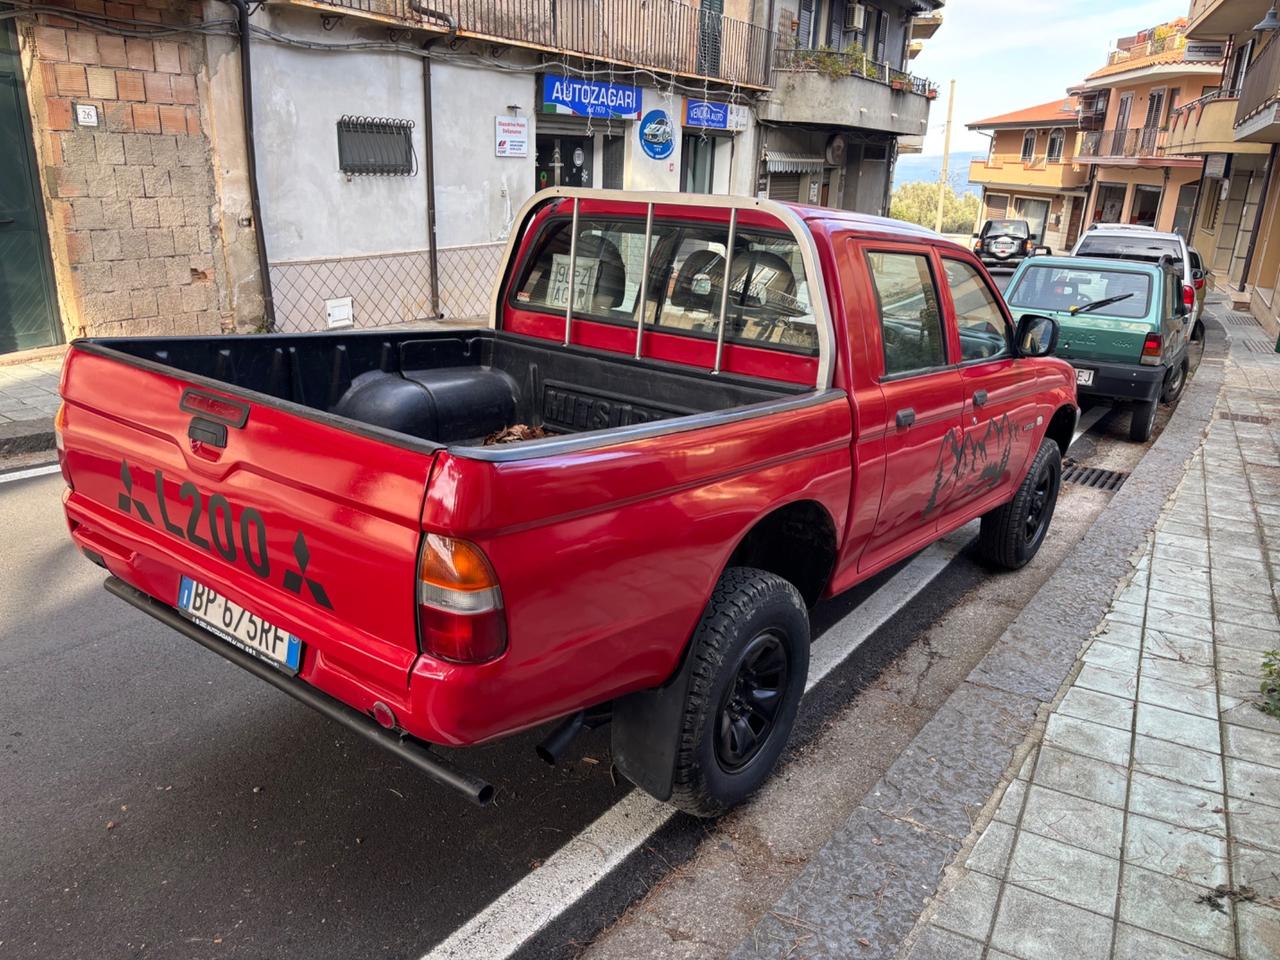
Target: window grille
[{"x": 376, "y": 147}]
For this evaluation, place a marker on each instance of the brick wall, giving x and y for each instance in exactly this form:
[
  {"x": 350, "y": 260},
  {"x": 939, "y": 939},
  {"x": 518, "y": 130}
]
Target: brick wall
[{"x": 130, "y": 201}]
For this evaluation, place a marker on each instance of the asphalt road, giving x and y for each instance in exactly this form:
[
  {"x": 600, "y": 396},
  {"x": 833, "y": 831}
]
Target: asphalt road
[{"x": 156, "y": 801}]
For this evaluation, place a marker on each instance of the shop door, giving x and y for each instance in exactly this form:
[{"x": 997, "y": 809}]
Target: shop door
[
  {"x": 28, "y": 318},
  {"x": 1109, "y": 203},
  {"x": 563, "y": 161},
  {"x": 1073, "y": 222},
  {"x": 1146, "y": 205},
  {"x": 1186, "y": 204},
  {"x": 698, "y": 156}
]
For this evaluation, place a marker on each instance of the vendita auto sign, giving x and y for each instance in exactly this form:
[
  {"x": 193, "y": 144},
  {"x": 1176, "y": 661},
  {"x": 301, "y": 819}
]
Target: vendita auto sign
[{"x": 590, "y": 98}]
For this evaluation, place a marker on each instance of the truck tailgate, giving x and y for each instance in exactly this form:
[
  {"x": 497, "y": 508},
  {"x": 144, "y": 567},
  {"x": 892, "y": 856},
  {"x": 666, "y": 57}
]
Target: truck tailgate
[{"x": 311, "y": 527}]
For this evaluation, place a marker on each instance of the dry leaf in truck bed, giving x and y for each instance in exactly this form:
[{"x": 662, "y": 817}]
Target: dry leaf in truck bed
[{"x": 514, "y": 433}]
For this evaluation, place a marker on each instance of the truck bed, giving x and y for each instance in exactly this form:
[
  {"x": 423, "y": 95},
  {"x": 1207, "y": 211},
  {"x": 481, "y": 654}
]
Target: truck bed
[{"x": 447, "y": 388}]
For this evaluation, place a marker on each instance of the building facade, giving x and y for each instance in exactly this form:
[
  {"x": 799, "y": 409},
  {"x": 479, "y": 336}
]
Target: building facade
[
  {"x": 1125, "y": 111},
  {"x": 1031, "y": 172}
]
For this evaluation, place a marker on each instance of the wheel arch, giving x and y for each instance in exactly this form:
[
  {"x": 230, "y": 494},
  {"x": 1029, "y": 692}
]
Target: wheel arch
[
  {"x": 1062, "y": 427},
  {"x": 796, "y": 541}
]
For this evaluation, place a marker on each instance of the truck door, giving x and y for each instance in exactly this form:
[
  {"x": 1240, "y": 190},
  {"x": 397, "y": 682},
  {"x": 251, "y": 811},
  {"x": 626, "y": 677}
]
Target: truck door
[
  {"x": 922, "y": 398},
  {"x": 1000, "y": 393}
]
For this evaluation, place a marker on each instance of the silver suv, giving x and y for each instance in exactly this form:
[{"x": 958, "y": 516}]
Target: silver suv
[{"x": 1123, "y": 241}]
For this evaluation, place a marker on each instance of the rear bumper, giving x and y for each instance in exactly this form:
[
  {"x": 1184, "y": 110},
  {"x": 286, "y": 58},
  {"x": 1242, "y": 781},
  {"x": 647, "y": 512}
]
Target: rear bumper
[
  {"x": 996, "y": 263},
  {"x": 403, "y": 746},
  {"x": 1121, "y": 381}
]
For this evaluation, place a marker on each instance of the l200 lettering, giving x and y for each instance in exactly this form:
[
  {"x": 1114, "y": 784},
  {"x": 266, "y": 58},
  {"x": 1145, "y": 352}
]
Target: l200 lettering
[{"x": 216, "y": 527}]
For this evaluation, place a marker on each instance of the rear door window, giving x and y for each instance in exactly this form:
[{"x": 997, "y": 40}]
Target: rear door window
[{"x": 911, "y": 328}]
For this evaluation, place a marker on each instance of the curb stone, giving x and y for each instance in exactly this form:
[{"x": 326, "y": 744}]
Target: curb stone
[
  {"x": 26, "y": 436},
  {"x": 864, "y": 890}
]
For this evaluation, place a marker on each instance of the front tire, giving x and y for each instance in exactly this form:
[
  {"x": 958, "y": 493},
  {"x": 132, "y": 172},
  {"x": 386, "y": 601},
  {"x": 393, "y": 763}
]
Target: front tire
[
  {"x": 1012, "y": 533},
  {"x": 750, "y": 662},
  {"x": 1142, "y": 421}
]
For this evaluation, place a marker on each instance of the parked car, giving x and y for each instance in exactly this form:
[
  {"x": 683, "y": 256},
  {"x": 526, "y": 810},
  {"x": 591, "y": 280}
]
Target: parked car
[
  {"x": 1003, "y": 244},
  {"x": 1124, "y": 327},
  {"x": 1132, "y": 242},
  {"x": 445, "y": 537},
  {"x": 1198, "y": 276}
]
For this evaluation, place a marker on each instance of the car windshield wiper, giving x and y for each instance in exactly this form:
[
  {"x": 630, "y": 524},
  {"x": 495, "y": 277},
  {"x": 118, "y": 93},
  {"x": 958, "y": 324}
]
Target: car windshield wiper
[{"x": 1104, "y": 302}]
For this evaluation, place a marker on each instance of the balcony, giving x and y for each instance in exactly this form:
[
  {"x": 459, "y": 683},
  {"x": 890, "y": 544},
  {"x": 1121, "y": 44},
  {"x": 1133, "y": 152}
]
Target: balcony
[
  {"x": 665, "y": 35},
  {"x": 1219, "y": 19},
  {"x": 1257, "y": 118},
  {"x": 1134, "y": 147},
  {"x": 1014, "y": 172},
  {"x": 1205, "y": 126},
  {"x": 846, "y": 89},
  {"x": 925, "y": 26},
  {"x": 1148, "y": 48}
]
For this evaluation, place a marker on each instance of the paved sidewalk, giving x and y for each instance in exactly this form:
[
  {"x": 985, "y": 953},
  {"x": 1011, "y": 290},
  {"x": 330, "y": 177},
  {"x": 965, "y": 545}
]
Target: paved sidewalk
[
  {"x": 1145, "y": 819},
  {"x": 28, "y": 401}
]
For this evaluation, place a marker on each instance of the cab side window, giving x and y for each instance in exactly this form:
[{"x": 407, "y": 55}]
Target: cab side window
[
  {"x": 983, "y": 332},
  {"x": 910, "y": 321}
]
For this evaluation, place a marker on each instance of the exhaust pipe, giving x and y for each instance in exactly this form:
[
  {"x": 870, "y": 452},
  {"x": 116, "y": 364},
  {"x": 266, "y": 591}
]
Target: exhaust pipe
[{"x": 557, "y": 742}]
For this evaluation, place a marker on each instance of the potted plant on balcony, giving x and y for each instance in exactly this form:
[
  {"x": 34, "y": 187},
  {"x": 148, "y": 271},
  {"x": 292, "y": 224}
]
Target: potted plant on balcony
[
  {"x": 932, "y": 93},
  {"x": 898, "y": 81}
]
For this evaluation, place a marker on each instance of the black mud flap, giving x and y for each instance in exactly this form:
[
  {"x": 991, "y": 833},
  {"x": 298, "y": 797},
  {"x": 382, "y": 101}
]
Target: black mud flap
[{"x": 646, "y": 733}]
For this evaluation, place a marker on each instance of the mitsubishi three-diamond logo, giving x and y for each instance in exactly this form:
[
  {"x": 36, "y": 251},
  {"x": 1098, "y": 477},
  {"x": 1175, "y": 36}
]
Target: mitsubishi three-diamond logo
[
  {"x": 127, "y": 501},
  {"x": 294, "y": 579}
]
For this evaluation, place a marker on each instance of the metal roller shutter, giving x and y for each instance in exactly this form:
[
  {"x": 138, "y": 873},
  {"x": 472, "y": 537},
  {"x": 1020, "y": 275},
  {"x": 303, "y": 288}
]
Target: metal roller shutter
[{"x": 784, "y": 186}]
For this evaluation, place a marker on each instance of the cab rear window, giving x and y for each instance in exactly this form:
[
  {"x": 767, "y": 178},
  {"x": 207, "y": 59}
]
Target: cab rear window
[
  {"x": 1061, "y": 288},
  {"x": 768, "y": 304}
]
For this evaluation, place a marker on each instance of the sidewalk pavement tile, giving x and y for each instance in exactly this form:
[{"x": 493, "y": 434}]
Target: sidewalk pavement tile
[
  {"x": 969, "y": 907},
  {"x": 1257, "y": 868},
  {"x": 1183, "y": 585},
  {"x": 1112, "y": 656},
  {"x": 1167, "y": 906},
  {"x": 1090, "y": 739},
  {"x": 1172, "y": 646},
  {"x": 1173, "y": 761},
  {"x": 1039, "y": 928},
  {"x": 1135, "y": 944},
  {"x": 1253, "y": 781},
  {"x": 1175, "y": 696},
  {"x": 1259, "y": 929},
  {"x": 1179, "y": 605},
  {"x": 1164, "y": 724},
  {"x": 1241, "y": 660},
  {"x": 1098, "y": 707},
  {"x": 1236, "y": 688},
  {"x": 1250, "y": 744},
  {"x": 991, "y": 853},
  {"x": 1065, "y": 873},
  {"x": 1178, "y": 624},
  {"x": 1250, "y": 617},
  {"x": 1081, "y": 776},
  {"x": 1247, "y": 637},
  {"x": 1175, "y": 851},
  {"x": 1108, "y": 681},
  {"x": 1010, "y": 807},
  {"x": 935, "y": 943},
  {"x": 1177, "y": 803},
  {"x": 1248, "y": 715},
  {"x": 1178, "y": 671},
  {"x": 1070, "y": 819},
  {"x": 1123, "y": 633},
  {"x": 1256, "y": 824}
]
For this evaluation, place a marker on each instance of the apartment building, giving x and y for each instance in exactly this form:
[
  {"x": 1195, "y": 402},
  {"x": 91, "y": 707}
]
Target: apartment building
[
  {"x": 1031, "y": 172},
  {"x": 842, "y": 99},
  {"x": 395, "y": 139},
  {"x": 1125, "y": 110},
  {"x": 1240, "y": 210}
]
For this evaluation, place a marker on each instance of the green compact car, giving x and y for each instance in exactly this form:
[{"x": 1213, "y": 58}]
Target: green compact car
[{"x": 1124, "y": 327}]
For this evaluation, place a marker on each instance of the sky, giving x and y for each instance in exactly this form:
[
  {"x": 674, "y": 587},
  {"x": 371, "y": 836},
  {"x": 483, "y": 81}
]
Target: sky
[{"x": 1008, "y": 55}]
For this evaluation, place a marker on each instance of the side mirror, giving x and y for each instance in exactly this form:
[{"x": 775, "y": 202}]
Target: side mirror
[
  {"x": 1037, "y": 336},
  {"x": 1197, "y": 274}
]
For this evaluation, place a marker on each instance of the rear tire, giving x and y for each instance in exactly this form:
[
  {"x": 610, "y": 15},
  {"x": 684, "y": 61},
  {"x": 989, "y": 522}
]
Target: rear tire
[
  {"x": 1175, "y": 383},
  {"x": 1012, "y": 533},
  {"x": 750, "y": 660},
  {"x": 1142, "y": 421}
]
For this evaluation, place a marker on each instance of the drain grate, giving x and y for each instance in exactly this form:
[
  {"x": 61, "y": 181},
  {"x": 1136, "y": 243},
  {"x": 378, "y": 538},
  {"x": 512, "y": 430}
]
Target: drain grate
[
  {"x": 1243, "y": 320},
  {"x": 1243, "y": 417},
  {"x": 1258, "y": 345},
  {"x": 1094, "y": 477}
]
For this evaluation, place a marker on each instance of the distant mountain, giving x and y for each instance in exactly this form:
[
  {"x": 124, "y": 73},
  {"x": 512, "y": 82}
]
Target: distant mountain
[{"x": 914, "y": 167}]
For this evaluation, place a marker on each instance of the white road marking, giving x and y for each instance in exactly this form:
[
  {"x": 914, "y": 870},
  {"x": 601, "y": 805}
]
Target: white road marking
[
  {"x": 542, "y": 895},
  {"x": 29, "y": 473},
  {"x": 1089, "y": 418}
]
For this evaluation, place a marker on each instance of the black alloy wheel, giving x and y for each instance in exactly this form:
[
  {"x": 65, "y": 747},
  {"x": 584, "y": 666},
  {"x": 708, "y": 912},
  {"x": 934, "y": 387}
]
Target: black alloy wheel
[
  {"x": 1043, "y": 493},
  {"x": 752, "y": 701}
]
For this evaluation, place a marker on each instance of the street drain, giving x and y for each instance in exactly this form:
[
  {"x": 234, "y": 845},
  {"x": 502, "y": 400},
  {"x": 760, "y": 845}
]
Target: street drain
[
  {"x": 1243, "y": 417},
  {"x": 1243, "y": 320},
  {"x": 1094, "y": 477},
  {"x": 1258, "y": 345}
]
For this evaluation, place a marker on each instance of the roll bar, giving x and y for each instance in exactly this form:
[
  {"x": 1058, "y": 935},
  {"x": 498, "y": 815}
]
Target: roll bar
[{"x": 787, "y": 216}]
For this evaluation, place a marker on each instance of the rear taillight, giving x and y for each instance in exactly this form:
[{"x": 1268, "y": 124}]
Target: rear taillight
[
  {"x": 1188, "y": 295},
  {"x": 1028, "y": 246},
  {"x": 460, "y": 615},
  {"x": 1199, "y": 284},
  {"x": 1152, "y": 348},
  {"x": 59, "y": 428}
]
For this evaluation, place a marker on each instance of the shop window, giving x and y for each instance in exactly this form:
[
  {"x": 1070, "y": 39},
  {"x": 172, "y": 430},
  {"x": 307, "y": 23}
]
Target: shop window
[
  {"x": 374, "y": 147},
  {"x": 1146, "y": 205},
  {"x": 698, "y": 159}
]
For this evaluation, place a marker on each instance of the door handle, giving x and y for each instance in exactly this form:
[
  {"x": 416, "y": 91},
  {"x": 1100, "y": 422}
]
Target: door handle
[
  {"x": 906, "y": 417},
  {"x": 979, "y": 398},
  {"x": 5, "y": 221}
]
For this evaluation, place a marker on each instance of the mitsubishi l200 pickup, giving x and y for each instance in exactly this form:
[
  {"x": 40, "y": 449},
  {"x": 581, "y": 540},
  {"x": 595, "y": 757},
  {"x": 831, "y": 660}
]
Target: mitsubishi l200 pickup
[{"x": 720, "y": 410}]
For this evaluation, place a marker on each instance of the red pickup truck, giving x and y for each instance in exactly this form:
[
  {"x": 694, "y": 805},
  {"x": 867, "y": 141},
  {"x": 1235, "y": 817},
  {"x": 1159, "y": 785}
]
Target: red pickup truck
[{"x": 690, "y": 419}]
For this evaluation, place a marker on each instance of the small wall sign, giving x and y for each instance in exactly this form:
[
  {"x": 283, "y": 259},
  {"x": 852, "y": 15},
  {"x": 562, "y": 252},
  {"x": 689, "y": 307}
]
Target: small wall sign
[
  {"x": 657, "y": 135},
  {"x": 511, "y": 136},
  {"x": 86, "y": 115}
]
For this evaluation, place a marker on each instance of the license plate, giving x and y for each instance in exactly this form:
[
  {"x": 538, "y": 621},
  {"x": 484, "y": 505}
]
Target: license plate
[
  {"x": 1084, "y": 378},
  {"x": 236, "y": 625}
]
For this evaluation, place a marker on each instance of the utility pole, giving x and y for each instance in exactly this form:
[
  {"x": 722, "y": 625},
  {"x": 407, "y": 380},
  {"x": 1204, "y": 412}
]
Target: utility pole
[{"x": 946, "y": 155}]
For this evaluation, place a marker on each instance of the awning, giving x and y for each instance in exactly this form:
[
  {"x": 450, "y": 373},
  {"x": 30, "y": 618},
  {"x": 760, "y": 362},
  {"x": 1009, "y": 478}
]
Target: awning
[{"x": 778, "y": 162}]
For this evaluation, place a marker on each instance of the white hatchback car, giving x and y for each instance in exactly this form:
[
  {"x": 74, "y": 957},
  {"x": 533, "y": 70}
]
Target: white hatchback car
[{"x": 1123, "y": 241}]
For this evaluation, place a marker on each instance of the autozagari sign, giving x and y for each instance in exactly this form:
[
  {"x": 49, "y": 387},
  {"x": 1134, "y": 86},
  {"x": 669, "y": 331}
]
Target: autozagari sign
[{"x": 590, "y": 98}]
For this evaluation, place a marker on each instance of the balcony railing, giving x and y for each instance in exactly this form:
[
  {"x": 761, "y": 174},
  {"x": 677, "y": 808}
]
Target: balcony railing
[
  {"x": 664, "y": 35},
  {"x": 853, "y": 63},
  {"x": 1131, "y": 143},
  {"x": 1148, "y": 48},
  {"x": 1261, "y": 83}
]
